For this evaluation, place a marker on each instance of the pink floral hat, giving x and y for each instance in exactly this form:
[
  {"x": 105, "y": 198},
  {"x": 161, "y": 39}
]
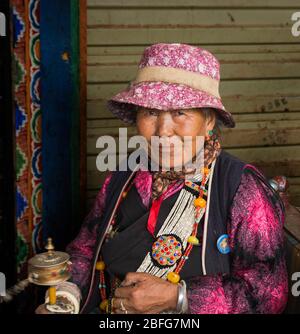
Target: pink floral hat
[{"x": 172, "y": 76}]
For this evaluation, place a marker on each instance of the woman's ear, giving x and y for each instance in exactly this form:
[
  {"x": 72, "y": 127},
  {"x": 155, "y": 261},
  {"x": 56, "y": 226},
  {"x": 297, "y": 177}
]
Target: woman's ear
[{"x": 211, "y": 121}]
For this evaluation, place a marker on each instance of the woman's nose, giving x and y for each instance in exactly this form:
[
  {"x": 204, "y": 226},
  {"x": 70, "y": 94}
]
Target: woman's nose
[{"x": 164, "y": 125}]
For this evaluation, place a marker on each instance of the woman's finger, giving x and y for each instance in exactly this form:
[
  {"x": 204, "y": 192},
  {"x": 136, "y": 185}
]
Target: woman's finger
[
  {"x": 123, "y": 292},
  {"x": 121, "y": 306},
  {"x": 133, "y": 278},
  {"x": 42, "y": 310}
]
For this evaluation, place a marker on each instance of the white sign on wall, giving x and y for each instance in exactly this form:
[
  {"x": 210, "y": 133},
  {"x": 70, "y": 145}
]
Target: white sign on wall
[
  {"x": 296, "y": 285},
  {"x": 296, "y": 26},
  {"x": 2, "y": 24},
  {"x": 2, "y": 285}
]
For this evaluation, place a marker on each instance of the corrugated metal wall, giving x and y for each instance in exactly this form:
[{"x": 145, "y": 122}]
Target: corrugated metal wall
[{"x": 260, "y": 70}]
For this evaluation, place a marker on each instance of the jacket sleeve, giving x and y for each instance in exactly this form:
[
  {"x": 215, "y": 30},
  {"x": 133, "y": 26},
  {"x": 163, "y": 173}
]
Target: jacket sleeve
[
  {"x": 81, "y": 249},
  {"x": 258, "y": 279}
]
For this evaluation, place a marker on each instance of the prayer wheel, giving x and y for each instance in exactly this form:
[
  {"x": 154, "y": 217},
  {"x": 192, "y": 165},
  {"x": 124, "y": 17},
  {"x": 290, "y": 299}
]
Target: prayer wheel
[{"x": 49, "y": 269}]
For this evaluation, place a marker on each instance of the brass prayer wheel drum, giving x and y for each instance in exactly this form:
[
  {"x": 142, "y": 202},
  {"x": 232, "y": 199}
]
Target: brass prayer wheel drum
[{"x": 49, "y": 268}]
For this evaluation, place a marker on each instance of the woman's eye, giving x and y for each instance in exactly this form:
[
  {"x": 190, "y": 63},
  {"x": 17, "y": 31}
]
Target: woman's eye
[
  {"x": 152, "y": 112},
  {"x": 147, "y": 113},
  {"x": 179, "y": 113}
]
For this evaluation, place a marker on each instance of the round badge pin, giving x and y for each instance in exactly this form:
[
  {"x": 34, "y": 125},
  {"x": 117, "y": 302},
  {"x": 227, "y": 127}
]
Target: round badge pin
[{"x": 223, "y": 245}]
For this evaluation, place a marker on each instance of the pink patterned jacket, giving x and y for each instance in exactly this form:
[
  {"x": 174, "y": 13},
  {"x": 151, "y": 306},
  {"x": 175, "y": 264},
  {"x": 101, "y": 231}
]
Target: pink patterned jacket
[{"x": 258, "y": 279}]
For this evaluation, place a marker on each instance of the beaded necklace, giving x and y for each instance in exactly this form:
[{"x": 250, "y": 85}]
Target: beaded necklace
[
  {"x": 177, "y": 236},
  {"x": 200, "y": 205}
]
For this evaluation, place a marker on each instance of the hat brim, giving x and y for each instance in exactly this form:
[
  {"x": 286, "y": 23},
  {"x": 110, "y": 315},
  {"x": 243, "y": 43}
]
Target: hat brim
[{"x": 164, "y": 96}]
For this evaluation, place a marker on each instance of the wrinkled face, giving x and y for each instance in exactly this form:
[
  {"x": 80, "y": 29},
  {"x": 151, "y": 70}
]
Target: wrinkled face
[{"x": 175, "y": 127}]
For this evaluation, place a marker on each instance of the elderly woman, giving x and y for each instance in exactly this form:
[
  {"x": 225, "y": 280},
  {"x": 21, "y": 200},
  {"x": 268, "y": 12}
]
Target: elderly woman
[{"x": 159, "y": 242}]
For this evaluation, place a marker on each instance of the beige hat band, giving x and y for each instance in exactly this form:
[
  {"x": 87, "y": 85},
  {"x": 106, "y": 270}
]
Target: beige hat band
[{"x": 179, "y": 76}]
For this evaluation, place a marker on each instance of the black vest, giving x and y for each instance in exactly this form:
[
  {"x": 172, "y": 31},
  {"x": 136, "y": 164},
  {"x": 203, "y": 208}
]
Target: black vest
[{"x": 226, "y": 179}]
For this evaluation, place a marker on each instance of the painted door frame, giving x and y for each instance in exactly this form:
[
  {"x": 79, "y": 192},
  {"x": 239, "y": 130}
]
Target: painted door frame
[{"x": 63, "y": 100}]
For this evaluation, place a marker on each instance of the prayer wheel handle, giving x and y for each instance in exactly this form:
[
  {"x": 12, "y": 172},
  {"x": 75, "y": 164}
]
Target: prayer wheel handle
[{"x": 52, "y": 289}]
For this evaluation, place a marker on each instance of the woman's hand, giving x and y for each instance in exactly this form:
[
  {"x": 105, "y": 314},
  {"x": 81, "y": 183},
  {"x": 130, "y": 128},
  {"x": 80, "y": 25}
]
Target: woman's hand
[
  {"x": 144, "y": 293},
  {"x": 42, "y": 309}
]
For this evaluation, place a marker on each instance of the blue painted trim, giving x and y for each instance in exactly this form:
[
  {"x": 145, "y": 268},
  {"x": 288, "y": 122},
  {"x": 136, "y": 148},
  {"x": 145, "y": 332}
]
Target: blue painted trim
[{"x": 57, "y": 87}]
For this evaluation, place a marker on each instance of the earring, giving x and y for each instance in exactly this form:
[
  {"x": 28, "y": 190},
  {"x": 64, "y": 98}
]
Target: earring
[{"x": 211, "y": 136}]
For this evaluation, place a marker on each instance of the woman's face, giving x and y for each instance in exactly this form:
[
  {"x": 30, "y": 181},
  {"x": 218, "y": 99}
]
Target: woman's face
[{"x": 173, "y": 126}]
